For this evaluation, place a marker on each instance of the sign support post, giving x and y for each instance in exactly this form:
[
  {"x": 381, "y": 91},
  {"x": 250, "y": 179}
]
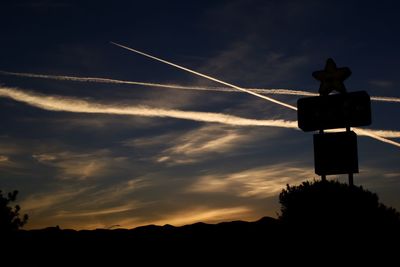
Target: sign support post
[
  {"x": 351, "y": 179},
  {"x": 323, "y": 176}
]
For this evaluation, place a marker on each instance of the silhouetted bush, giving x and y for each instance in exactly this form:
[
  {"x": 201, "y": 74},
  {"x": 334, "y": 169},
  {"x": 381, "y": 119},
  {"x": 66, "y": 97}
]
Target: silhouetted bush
[
  {"x": 9, "y": 216},
  {"x": 334, "y": 204}
]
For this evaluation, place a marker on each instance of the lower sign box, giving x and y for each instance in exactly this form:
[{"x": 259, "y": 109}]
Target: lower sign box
[{"x": 335, "y": 153}]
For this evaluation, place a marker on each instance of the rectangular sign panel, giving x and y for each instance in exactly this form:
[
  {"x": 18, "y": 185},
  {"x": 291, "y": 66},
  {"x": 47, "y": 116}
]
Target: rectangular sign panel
[
  {"x": 335, "y": 153},
  {"x": 334, "y": 111}
]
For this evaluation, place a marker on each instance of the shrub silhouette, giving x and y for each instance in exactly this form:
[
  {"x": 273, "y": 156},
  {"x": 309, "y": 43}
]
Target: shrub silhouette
[
  {"x": 9, "y": 216},
  {"x": 334, "y": 204}
]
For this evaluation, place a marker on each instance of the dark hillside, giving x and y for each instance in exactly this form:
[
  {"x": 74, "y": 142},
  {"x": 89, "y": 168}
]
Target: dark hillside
[{"x": 326, "y": 219}]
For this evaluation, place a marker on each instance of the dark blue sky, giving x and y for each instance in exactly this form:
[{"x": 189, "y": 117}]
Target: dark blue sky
[{"x": 82, "y": 170}]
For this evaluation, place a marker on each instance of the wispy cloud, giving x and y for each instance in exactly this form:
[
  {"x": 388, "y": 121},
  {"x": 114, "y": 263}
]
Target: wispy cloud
[
  {"x": 3, "y": 158},
  {"x": 198, "y": 144},
  {"x": 9, "y": 147},
  {"x": 120, "y": 191},
  {"x": 150, "y": 141},
  {"x": 195, "y": 214},
  {"x": 12, "y": 158},
  {"x": 381, "y": 83},
  {"x": 208, "y": 142},
  {"x": 38, "y": 203},
  {"x": 84, "y": 205},
  {"x": 392, "y": 174},
  {"x": 257, "y": 182},
  {"x": 99, "y": 211},
  {"x": 72, "y": 165}
]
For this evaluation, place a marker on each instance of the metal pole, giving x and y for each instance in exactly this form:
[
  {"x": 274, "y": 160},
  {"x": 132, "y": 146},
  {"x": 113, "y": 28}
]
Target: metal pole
[
  {"x": 351, "y": 180},
  {"x": 323, "y": 176}
]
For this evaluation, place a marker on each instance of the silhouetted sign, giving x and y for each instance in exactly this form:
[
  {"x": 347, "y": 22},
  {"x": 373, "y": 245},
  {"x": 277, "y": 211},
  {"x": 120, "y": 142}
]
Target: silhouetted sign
[
  {"x": 335, "y": 153},
  {"x": 334, "y": 111}
]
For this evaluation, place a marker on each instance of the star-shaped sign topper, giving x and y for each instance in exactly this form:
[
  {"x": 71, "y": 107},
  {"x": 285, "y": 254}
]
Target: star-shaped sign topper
[{"x": 332, "y": 78}]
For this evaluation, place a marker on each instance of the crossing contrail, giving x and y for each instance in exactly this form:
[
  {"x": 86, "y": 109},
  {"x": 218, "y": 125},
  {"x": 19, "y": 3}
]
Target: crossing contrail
[
  {"x": 208, "y": 77},
  {"x": 275, "y": 91},
  {"x": 375, "y": 136},
  {"x": 370, "y": 134},
  {"x": 76, "y": 105}
]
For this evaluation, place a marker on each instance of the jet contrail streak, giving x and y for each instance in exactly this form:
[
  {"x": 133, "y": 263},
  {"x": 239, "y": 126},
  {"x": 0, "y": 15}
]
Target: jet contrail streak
[
  {"x": 383, "y": 133},
  {"x": 208, "y": 77},
  {"x": 242, "y": 89},
  {"x": 171, "y": 86},
  {"x": 385, "y": 99},
  {"x": 375, "y": 136},
  {"x": 371, "y": 132},
  {"x": 109, "y": 81},
  {"x": 277, "y": 91},
  {"x": 71, "y": 104}
]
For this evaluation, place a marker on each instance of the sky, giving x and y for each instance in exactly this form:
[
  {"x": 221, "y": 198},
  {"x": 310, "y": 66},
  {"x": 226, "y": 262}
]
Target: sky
[{"x": 95, "y": 154}]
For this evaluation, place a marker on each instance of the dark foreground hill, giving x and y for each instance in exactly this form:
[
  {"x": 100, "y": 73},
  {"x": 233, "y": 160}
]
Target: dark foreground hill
[
  {"x": 265, "y": 239},
  {"x": 320, "y": 222}
]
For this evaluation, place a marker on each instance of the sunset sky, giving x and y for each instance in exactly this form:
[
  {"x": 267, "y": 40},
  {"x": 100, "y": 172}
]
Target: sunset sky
[{"x": 94, "y": 154}]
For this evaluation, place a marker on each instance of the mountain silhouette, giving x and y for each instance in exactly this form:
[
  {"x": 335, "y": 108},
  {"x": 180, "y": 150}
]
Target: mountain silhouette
[{"x": 318, "y": 219}]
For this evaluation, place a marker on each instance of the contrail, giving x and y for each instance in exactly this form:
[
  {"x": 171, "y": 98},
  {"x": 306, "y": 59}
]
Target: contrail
[
  {"x": 109, "y": 81},
  {"x": 277, "y": 91},
  {"x": 380, "y": 135},
  {"x": 383, "y": 133},
  {"x": 377, "y": 137},
  {"x": 208, "y": 77},
  {"x": 70, "y": 104},
  {"x": 240, "y": 89},
  {"x": 385, "y": 99},
  {"x": 171, "y": 86},
  {"x": 76, "y": 105}
]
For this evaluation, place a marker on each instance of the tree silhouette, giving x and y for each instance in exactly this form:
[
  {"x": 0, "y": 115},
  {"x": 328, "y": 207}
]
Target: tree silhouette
[
  {"x": 334, "y": 204},
  {"x": 9, "y": 216}
]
